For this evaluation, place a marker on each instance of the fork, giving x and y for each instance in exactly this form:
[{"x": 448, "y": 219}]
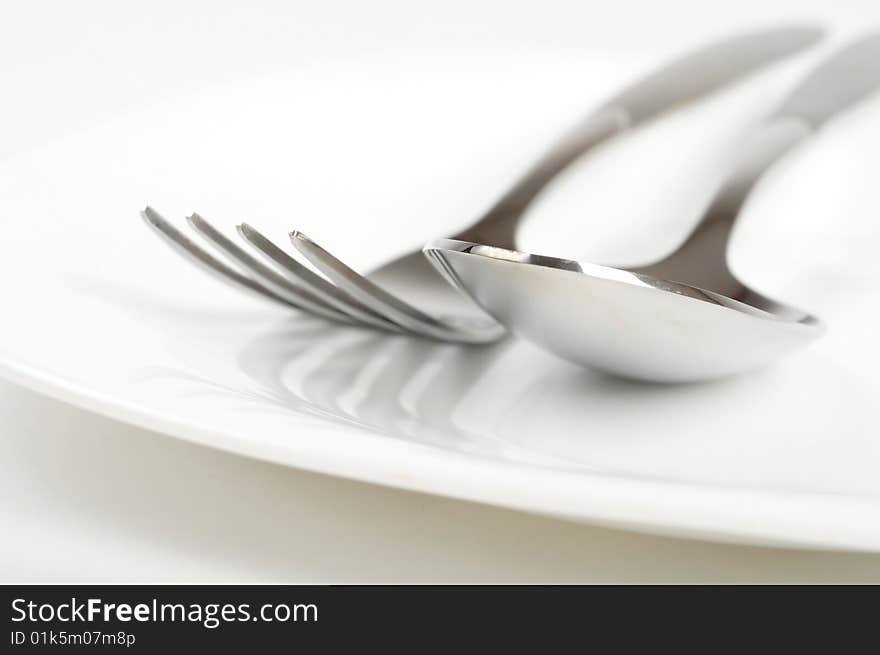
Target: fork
[{"x": 406, "y": 294}]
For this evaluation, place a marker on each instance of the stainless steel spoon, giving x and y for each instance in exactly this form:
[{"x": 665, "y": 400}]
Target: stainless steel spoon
[
  {"x": 405, "y": 294},
  {"x": 684, "y": 318}
]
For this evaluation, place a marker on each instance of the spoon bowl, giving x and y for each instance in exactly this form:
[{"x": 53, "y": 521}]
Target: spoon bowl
[
  {"x": 686, "y": 317},
  {"x": 624, "y": 322}
]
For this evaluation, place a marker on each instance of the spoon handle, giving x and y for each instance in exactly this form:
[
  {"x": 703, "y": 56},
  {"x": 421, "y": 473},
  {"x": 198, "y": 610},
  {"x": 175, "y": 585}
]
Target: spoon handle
[
  {"x": 841, "y": 80},
  {"x": 846, "y": 77},
  {"x": 694, "y": 75}
]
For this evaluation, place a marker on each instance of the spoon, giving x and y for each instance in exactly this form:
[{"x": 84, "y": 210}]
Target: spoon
[
  {"x": 686, "y": 317},
  {"x": 405, "y": 294}
]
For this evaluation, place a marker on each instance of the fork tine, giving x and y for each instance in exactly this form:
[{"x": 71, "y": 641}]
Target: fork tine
[
  {"x": 317, "y": 285},
  {"x": 265, "y": 276},
  {"x": 196, "y": 254},
  {"x": 377, "y": 299}
]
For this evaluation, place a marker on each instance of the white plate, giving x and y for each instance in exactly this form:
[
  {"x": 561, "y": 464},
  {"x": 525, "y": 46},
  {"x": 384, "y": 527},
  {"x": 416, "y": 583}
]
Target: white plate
[{"x": 372, "y": 156}]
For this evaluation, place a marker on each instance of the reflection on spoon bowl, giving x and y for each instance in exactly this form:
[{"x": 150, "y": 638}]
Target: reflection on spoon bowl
[
  {"x": 624, "y": 322},
  {"x": 686, "y": 317}
]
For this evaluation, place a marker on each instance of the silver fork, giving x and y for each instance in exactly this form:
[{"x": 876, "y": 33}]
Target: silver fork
[{"x": 407, "y": 294}]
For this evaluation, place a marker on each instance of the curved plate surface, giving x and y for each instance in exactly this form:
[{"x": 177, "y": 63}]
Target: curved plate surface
[{"x": 377, "y": 155}]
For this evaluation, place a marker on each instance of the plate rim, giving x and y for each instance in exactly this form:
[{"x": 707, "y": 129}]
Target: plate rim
[{"x": 413, "y": 467}]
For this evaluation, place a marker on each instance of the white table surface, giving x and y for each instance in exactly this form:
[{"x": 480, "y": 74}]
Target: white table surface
[{"x": 87, "y": 499}]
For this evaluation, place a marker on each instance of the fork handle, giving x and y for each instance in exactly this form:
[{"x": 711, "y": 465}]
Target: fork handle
[
  {"x": 687, "y": 78},
  {"x": 498, "y": 225}
]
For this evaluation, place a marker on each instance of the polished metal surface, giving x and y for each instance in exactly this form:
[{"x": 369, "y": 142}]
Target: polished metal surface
[
  {"x": 406, "y": 294},
  {"x": 687, "y": 317}
]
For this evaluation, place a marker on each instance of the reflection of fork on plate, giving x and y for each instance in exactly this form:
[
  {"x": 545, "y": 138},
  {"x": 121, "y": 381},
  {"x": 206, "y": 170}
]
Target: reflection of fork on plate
[{"x": 414, "y": 389}]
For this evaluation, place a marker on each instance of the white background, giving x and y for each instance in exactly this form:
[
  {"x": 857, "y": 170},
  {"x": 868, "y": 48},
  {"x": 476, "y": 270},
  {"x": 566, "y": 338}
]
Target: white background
[{"x": 83, "y": 498}]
